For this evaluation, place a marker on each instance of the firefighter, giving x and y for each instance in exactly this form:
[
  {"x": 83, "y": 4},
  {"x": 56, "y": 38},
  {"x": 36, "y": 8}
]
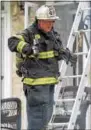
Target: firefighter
[{"x": 42, "y": 48}]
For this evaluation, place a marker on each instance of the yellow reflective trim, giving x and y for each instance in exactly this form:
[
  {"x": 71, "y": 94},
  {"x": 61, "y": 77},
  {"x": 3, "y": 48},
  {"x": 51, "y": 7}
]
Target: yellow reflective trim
[
  {"x": 20, "y": 46},
  {"x": 44, "y": 55},
  {"x": 55, "y": 53},
  {"x": 40, "y": 81},
  {"x": 18, "y": 59},
  {"x": 37, "y": 36},
  {"x": 48, "y": 54},
  {"x": 20, "y": 37}
]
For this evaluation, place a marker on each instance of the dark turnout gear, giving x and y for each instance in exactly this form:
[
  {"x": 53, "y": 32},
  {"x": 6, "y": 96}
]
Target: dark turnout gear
[
  {"x": 38, "y": 53},
  {"x": 68, "y": 57},
  {"x": 73, "y": 59},
  {"x": 39, "y": 105},
  {"x": 19, "y": 63},
  {"x": 27, "y": 50},
  {"x": 64, "y": 54},
  {"x": 19, "y": 73},
  {"x": 42, "y": 69}
]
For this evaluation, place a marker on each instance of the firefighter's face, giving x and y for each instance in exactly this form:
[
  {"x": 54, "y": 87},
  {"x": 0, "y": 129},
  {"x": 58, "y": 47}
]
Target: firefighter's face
[{"x": 46, "y": 25}]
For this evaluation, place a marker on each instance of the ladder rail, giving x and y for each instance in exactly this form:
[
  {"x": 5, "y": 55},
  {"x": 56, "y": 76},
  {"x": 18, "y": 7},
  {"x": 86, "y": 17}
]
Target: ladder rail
[{"x": 79, "y": 95}]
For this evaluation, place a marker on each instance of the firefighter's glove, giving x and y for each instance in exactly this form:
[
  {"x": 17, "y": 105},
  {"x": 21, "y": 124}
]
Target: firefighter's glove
[
  {"x": 27, "y": 50},
  {"x": 65, "y": 54},
  {"x": 68, "y": 56},
  {"x": 73, "y": 59},
  {"x": 19, "y": 73}
]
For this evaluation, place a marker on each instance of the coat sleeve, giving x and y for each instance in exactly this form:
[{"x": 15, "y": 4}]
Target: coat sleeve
[
  {"x": 18, "y": 41},
  {"x": 63, "y": 54}
]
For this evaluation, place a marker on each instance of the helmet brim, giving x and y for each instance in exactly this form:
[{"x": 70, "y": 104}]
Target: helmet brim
[
  {"x": 53, "y": 18},
  {"x": 57, "y": 18}
]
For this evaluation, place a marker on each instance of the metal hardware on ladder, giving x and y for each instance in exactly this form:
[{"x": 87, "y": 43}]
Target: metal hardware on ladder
[{"x": 83, "y": 31}]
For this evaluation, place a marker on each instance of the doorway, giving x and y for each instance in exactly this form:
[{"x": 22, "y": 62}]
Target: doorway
[{"x": 5, "y": 55}]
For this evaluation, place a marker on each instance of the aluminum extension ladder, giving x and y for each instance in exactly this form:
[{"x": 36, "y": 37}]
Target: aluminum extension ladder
[{"x": 82, "y": 85}]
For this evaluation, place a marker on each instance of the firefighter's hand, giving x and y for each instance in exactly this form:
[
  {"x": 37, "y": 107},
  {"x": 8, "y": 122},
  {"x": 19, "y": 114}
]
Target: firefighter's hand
[
  {"x": 27, "y": 49},
  {"x": 73, "y": 59},
  {"x": 18, "y": 73}
]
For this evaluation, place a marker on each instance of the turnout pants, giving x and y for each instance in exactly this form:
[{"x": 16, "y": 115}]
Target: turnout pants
[{"x": 40, "y": 100}]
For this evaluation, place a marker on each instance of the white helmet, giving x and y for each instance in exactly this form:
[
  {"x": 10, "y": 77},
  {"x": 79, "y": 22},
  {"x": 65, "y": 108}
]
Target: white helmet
[{"x": 46, "y": 12}]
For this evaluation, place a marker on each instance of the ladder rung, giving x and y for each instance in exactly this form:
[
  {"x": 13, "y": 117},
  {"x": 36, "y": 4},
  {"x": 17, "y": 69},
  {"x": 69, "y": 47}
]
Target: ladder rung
[
  {"x": 69, "y": 111},
  {"x": 57, "y": 112},
  {"x": 65, "y": 100},
  {"x": 72, "y": 76},
  {"x": 57, "y": 124},
  {"x": 82, "y": 30},
  {"x": 68, "y": 89},
  {"x": 86, "y": 9},
  {"x": 81, "y": 53}
]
